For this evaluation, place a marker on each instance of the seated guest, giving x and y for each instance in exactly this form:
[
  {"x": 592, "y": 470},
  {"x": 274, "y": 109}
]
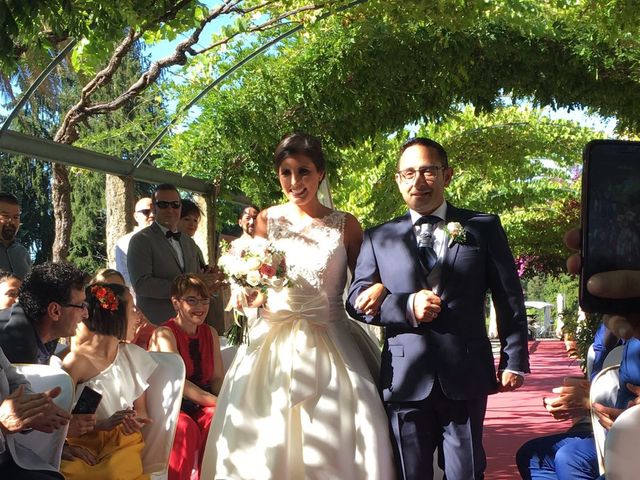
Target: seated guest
[
  {"x": 9, "y": 288},
  {"x": 143, "y": 328},
  {"x": 576, "y": 458},
  {"x": 83, "y": 334},
  {"x": 199, "y": 346},
  {"x": 119, "y": 371},
  {"x": 537, "y": 458},
  {"x": 21, "y": 410},
  {"x": 50, "y": 305}
]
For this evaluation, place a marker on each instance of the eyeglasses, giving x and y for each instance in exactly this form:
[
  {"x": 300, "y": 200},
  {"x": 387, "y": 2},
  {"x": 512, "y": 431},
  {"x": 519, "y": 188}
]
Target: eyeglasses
[
  {"x": 193, "y": 301},
  {"x": 162, "y": 204},
  {"x": 82, "y": 306},
  {"x": 145, "y": 211},
  {"x": 6, "y": 216},
  {"x": 428, "y": 172}
]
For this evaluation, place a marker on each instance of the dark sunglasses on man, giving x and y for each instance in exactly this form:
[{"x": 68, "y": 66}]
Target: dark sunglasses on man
[
  {"x": 163, "y": 204},
  {"x": 145, "y": 211}
]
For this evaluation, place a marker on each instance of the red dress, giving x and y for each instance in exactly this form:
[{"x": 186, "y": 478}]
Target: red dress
[{"x": 194, "y": 421}]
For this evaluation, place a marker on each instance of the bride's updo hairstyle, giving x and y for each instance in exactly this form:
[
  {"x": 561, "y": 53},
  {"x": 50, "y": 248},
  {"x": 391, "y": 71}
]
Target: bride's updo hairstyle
[
  {"x": 300, "y": 144},
  {"x": 107, "y": 306}
]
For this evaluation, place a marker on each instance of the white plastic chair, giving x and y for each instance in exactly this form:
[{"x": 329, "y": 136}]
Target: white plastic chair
[
  {"x": 47, "y": 446},
  {"x": 164, "y": 397},
  {"x": 614, "y": 357},
  {"x": 604, "y": 390},
  {"x": 621, "y": 459},
  {"x": 591, "y": 358}
]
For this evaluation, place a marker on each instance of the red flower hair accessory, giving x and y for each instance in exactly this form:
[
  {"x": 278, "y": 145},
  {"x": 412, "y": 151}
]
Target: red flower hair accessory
[{"x": 106, "y": 298}]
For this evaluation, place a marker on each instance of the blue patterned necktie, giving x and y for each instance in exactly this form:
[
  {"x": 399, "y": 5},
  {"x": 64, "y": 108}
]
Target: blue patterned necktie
[{"x": 425, "y": 241}]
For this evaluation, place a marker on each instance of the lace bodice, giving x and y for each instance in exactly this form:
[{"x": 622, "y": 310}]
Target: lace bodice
[{"x": 313, "y": 248}]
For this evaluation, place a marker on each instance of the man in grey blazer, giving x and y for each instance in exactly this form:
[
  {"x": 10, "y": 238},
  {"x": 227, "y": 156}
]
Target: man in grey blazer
[
  {"x": 158, "y": 254},
  {"x": 20, "y": 411}
]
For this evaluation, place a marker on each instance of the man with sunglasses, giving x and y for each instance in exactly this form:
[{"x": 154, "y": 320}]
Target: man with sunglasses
[
  {"x": 159, "y": 253},
  {"x": 143, "y": 216},
  {"x": 437, "y": 263},
  {"x": 50, "y": 305}
]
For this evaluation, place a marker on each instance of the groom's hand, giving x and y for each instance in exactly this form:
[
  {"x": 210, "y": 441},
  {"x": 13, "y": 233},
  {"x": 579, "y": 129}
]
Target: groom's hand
[
  {"x": 426, "y": 306},
  {"x": 509, "y": 381}
]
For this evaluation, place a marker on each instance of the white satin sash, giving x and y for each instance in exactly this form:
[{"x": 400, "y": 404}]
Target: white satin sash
[{"x": 306, "y": 369}]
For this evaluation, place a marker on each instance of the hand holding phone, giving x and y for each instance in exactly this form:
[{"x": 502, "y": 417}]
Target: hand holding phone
[{"x": 88, "y": 401}]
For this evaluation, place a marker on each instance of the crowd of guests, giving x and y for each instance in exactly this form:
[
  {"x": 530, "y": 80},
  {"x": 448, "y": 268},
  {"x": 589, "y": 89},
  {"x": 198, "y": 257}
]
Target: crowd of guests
[
  {"x": 159, "y": 299},
  {"x": 571, "y": 455},
  {"x": 102, "y": 328}
]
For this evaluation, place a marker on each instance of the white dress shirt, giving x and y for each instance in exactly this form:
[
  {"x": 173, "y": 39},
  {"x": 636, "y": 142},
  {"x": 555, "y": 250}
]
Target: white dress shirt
[{"x": 175, "y": 244}]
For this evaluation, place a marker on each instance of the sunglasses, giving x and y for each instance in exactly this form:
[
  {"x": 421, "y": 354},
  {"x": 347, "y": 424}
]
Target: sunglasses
[
  {"x": 145, "y": 211},
  {"x": 162, "y": 204}
]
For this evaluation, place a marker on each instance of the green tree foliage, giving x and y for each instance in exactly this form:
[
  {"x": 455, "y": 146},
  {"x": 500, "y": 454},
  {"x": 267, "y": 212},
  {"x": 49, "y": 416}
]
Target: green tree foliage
[
  {"x": 122, "y": 134},
  {"x": 360, "y": 77},
  {"x": 30, "y": 28},
  {"x": 88, "y": 248}
]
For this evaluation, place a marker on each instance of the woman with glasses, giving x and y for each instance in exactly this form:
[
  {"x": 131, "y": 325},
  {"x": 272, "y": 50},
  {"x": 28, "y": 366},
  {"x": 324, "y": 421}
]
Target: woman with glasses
[
  {"x": 199, "y": 346},
  {"x": 119, "y": 372}
]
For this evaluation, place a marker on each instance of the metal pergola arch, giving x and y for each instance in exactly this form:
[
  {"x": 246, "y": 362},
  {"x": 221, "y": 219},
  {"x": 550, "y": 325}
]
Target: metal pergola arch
[{"x": 31, "y": 146}]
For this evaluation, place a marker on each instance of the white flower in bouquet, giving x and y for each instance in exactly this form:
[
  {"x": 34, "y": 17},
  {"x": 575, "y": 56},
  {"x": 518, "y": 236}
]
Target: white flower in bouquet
[
  {"x": 254, "y": 278},
  {"x": 255, "y": 264}
]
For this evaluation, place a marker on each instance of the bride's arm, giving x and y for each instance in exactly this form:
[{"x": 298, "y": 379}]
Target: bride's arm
[
  {"x": 352, "y": 240},
  {"x": 370, "y": 300},
  {"x": 261, "y": 224}
]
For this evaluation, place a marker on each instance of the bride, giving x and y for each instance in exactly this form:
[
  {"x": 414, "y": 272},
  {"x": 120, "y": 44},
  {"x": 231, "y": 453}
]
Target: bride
[{"x": 302, "y": 402}]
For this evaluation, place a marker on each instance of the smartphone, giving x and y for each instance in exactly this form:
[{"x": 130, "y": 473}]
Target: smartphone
[
  {"x": 610, "y": 218},
  {"x": 88, "y": 401}
]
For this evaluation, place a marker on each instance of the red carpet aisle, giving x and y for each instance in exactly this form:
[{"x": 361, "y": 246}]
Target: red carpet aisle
[{"x": 515, "y": 417}]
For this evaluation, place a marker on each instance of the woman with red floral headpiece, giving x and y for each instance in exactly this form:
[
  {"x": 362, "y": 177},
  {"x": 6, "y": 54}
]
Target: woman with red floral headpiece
[{"x": 119, "y": 372}]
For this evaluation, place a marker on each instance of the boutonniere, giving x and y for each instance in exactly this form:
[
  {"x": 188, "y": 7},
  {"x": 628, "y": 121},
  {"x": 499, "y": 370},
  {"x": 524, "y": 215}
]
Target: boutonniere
[{"x": 456, "y": 233}]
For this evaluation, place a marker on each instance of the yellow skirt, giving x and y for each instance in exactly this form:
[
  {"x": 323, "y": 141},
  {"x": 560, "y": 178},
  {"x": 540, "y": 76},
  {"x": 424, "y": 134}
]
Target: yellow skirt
[{"x": 119, "y": 456}]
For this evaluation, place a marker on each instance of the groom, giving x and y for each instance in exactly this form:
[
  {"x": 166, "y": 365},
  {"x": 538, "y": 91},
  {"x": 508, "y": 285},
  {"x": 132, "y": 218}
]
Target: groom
[{"x": 437, "y": 365}]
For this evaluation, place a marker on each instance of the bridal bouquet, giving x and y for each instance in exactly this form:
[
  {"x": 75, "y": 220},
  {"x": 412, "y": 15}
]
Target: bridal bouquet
[
  {"x": 254, "y": 264},
  {"x": 249, "y": 264}
]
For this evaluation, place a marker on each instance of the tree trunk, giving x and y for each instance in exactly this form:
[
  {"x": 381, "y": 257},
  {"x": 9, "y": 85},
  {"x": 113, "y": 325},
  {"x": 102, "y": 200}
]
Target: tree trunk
[
  {"x": 119, "y": 194},
  {"x": 61, "y": 196}
]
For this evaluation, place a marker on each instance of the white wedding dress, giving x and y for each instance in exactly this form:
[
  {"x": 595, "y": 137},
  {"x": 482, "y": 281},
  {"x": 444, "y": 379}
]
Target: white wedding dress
[{"x": 299, "y": 401}]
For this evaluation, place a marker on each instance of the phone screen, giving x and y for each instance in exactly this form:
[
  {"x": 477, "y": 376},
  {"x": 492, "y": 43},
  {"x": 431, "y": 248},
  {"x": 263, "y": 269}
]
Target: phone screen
[
  {"x": 88, "y": 401},
  {"x": 610, "y": 217}
]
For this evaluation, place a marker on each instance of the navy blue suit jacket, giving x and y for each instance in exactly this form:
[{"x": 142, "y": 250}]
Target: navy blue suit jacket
[{"x": 454, "y": 347}]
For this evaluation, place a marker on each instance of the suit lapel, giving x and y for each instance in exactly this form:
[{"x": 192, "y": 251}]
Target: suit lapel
[
  {"x": 453, "y": 215},
  {"x": 165, "y": 245}
]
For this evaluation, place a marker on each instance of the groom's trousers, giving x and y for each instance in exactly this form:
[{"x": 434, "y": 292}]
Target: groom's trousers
[{"x": 454, "y": 426}]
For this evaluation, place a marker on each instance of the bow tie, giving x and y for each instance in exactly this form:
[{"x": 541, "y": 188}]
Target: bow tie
[{"x": 171, "y": 235}]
